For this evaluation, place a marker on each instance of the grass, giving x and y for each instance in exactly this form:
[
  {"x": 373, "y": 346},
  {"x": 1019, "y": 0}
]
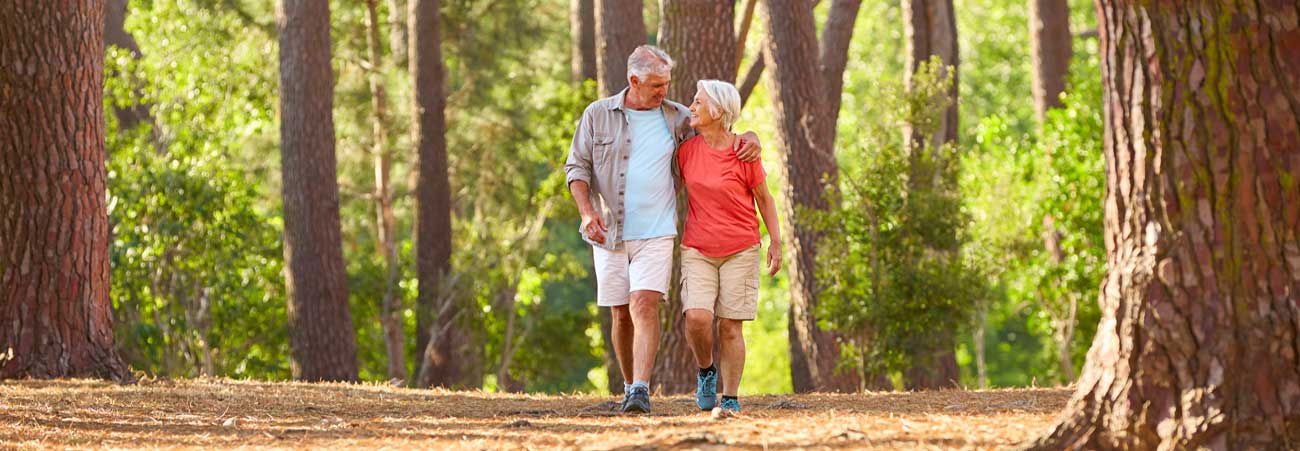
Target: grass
[{"x": 229, "y": 414}]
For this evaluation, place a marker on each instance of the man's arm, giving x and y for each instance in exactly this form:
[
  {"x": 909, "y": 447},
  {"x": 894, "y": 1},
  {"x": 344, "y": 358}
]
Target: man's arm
[
  {"x": 577, "y": 171},
  {"x": 767, "y": 208},
  {"x": 750, "y": 149}
]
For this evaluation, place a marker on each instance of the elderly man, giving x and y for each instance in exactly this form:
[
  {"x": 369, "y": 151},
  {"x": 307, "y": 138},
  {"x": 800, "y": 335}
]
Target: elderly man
[{"x": 622, "y": 174}]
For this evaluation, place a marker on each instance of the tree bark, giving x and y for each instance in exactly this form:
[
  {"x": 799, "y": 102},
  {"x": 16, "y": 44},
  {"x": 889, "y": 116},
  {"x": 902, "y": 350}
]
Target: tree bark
[
  {"x": 390, "y": 316},
  {"x": 931, "y": 30},
  {"x": 836, "y": 36},
  {"x": 807, "y": 159},
  {"x": 56, "y": 318},
  {"x": 397, "y": 36},
  {"x": 582, "y": 40},
  {"x": 433, "y": 196},
  {"x": 1049, "y": 44},
  {"x": 684, "y": 28},
  {"x": 321, "y": 336},
  {"x": 1199, "y": 341},
  {"x": 620, "y": 28},
  {"x": 683, "y": 25},
  {"x": 742, "y": 33}
]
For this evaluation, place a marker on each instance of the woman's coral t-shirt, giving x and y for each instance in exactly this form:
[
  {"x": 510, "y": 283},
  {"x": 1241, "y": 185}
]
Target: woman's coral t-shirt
[{"x": 722, "y": 219}]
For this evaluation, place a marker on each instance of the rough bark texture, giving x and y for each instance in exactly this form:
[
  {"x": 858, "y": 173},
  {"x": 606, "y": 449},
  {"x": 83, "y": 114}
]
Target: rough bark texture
[
  {"x": 700, "y": 36},
  {"x": 582, "y": 39},
  {"x": 931, "y": 30},
  {"x": 836, "y": 35},
  {"x": 805, "y": 139},
  {"x": 1199, "y": 340},
  {"x": 390, "y": 316},
  {"x": 320, "y": 323},
  {"x": 437, "y": 314},
  {"x": 1049, "y": 43},
  {"x": 55, "y": 313},
  {"x": 620, "y": 28},
  {"x": 683, "y": 26}
]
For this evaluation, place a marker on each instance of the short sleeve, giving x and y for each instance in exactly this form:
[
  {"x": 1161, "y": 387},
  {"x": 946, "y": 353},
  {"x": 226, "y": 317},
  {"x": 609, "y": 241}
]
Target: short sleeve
[{"x": 755, "y": 173}]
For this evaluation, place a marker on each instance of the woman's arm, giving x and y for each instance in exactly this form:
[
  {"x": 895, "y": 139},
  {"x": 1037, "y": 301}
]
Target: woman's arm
[{"x": 767, "y": 209}]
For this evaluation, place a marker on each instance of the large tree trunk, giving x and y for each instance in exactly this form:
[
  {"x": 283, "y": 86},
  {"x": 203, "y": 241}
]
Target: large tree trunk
[
  {"x": 582, "y": 39},
  {"x": 931, "y": 30},
  {"x": 683, "y": 25},
  {"x": 1049, "y": 43},
  {"x": 55, "y": 313},
  {"x": 620, "y": 28},
  {"x": 390, "y": 316},
  {"x": 805, "y": 138},
  {"x": 320, "y": 323},
  {"x": 437, "y": 313},
  {"x": 1199, "y": 340}
]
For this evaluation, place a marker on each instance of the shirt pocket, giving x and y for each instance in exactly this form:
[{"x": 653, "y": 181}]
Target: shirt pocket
[{"x": 603, "y": 147}]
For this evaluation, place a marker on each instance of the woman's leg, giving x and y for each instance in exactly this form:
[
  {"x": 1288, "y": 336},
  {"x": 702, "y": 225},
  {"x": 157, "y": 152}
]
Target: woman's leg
[
  {"x": 699, "y": 335},
  {"x": 732, "y": 335}
]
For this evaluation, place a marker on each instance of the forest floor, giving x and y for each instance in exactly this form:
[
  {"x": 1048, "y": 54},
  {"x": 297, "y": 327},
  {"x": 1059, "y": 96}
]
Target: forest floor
[{"x": 228, "y": 414}]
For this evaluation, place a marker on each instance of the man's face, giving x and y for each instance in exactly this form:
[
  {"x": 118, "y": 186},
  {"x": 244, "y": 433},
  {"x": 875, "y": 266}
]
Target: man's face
[{"x": 652, "y": 89}]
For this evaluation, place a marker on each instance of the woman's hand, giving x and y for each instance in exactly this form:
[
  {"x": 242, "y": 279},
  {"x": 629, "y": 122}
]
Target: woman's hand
[{"x": 773, "y": 257}]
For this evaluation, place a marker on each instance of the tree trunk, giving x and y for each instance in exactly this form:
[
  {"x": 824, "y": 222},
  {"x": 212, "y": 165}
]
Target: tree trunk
[
  {"x": 433, "y": 195},
  {"x": 620, "y": 28},
  {"x": 320, "y": 323},
  {"x": 397, "y": 37},
  {"x": 683, "y": 25},
  {"x": 582, "y": 39},
  {"x": 1199, "y": 340},
  {"x": 931, "y": 30},
  {"x": 836, "y": 35},
  {"x": 805, "y": 139},
  {"x": 56, "y": 318},
  {"x": 1049, "y": 44},
  {"x": 390, "y": 316}
]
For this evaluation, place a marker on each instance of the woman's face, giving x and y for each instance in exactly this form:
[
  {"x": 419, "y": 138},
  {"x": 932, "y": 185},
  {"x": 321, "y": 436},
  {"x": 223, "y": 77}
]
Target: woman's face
[{"x": 701, "y": 111}]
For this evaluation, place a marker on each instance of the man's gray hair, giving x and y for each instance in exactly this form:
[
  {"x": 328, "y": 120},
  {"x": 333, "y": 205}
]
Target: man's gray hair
[
  {"x": 723, "y": 100},
  {"x": 648, "y": 59}
]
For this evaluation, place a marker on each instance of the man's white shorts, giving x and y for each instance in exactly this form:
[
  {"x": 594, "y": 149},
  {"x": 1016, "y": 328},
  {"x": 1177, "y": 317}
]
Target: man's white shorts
[{"x": 633, "y": 266}]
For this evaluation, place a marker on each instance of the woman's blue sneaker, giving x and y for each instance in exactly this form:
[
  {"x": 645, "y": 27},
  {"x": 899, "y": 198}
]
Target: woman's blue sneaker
[{"x": 706, "y": 390}]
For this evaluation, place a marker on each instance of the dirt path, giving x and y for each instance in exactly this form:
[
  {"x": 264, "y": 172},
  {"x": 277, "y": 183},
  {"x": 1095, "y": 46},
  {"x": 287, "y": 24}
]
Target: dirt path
[{"x": 208, "y": 414}]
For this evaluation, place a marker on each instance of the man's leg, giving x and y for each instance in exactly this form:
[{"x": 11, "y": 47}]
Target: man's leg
[
  {"x": 621, "y": 333},
  {"x": 645, "y": 320}
]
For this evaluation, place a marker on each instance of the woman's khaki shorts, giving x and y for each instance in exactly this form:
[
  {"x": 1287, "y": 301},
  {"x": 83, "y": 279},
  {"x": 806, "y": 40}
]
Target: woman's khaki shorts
[{"x": 726, "y": 286}]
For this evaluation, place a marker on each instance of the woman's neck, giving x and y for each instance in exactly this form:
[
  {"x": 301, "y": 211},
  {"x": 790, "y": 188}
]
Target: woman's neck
[{"x": 716, "y": 137}]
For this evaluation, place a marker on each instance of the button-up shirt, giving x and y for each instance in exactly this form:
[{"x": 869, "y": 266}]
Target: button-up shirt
[{"x": 599, "y": 156}]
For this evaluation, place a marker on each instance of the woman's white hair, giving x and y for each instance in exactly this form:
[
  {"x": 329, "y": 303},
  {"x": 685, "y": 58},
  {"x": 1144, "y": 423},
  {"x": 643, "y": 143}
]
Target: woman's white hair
[
  {"x": 648, "y": 59},
  {"x": 723, "y": 101}
]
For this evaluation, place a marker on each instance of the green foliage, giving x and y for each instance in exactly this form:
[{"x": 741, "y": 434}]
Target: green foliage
[
  {"x": 890, "y": 264},
  {"x": 195, "y": 252}
]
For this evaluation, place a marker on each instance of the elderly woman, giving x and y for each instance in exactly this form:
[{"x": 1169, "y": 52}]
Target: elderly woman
[{"x": 721, "y": 246}]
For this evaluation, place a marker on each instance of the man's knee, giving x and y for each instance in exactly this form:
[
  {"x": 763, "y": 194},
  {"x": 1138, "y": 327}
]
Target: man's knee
[
  {"x": 645, "y": 304},
  {"x": 620, "y": 314},
  {"x": 699, "y": 319}
]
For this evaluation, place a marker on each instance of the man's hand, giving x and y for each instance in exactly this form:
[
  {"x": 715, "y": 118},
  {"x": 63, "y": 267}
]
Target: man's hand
[
  {"x": 593, "y": 225},
  {"x": 773, "y": 258},
  {"x": 750, "y": 149}
]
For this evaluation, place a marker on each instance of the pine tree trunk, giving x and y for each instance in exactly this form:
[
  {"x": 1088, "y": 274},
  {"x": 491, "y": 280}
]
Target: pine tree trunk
[
  {"x": 1199, "y": 340},
  {"x": 699, "y": 35},
  {"x": 931, "y": 30},
  {"x": 56, "y": 319},
  {"x": 442, "y": 364},
  {"x": 582, "y": 39},
  {"x": 685, "y": 27},
  {"x": 836, "y": 36},
  {"x": 390, "y": 316},
  {"x": 1049, "y": 43},
  {"x": 805, "y": 140},
  {"x": 320, "y": 323},
  {"x": 620, "y": 28}
]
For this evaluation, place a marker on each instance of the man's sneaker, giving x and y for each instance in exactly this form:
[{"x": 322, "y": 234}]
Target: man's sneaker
[
  {"x": 706, "y": 390},
  {"x": 637, "y": 401},
  {"x": 729, "y": 408}
]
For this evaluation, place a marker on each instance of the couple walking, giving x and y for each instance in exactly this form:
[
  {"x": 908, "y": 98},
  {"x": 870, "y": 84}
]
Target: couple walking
[{"x": 631, "y": 154}]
